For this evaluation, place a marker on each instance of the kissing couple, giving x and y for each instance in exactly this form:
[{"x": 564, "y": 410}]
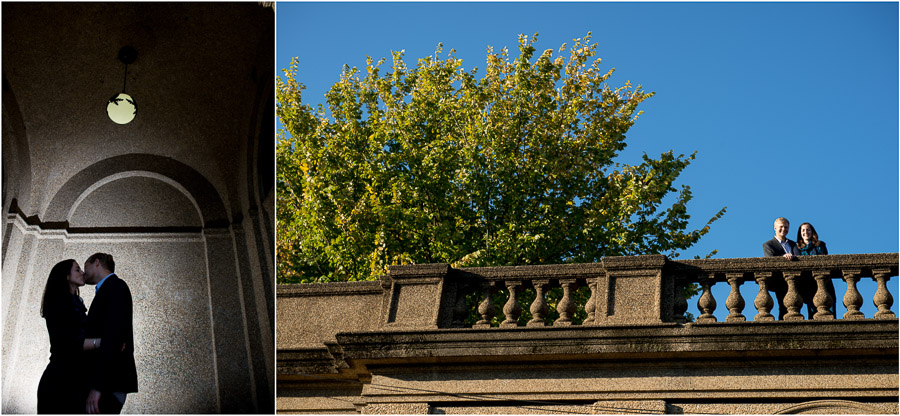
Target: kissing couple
[{"x": 91, "y": 366}]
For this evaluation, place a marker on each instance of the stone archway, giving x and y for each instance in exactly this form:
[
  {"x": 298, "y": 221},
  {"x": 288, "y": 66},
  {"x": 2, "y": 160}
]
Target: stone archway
[
  {"x": 173, "y": 242},
  {"x": 206, "y": 198}
]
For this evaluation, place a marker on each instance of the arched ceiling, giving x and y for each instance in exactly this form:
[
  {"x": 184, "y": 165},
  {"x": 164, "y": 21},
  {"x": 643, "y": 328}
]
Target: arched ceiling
[{"x": 200, "y": 72}]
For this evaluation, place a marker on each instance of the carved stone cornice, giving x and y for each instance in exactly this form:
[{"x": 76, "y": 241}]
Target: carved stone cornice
[{"x": 673, "y": 341}]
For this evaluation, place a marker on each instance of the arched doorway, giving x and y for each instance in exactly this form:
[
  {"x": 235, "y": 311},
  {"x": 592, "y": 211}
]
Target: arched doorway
[{"x": 173, "y": 244}]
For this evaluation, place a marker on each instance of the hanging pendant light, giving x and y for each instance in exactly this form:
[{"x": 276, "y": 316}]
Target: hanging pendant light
[{"x": 121, "y": 108}]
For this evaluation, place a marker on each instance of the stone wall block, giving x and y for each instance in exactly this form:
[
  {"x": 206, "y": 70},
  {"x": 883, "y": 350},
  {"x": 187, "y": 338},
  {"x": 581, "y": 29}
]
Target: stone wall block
[
  {"x": 416, "y": 297},
  {"x": 634, "y": 290}
]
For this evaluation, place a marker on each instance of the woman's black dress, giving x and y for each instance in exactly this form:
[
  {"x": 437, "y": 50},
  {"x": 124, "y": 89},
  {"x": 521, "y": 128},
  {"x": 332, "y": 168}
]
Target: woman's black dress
[{"x": 62, "y": 388}]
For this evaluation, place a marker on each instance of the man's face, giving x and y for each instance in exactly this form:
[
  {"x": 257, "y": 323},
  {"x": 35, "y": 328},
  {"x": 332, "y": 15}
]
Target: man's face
[
  {"x": 90, "y": 271},
  {"x": 781, "y": 229}
]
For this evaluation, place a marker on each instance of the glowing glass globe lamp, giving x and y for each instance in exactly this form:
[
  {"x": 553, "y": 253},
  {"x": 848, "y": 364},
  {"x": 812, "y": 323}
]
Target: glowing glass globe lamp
[{"x": 121, "y": 108}]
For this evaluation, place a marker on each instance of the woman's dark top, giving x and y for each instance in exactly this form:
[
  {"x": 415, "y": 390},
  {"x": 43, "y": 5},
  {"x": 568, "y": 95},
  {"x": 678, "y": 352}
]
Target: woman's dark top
[
  {"x": 61, "y": 389},
  {"x": 811, "y": 250}
]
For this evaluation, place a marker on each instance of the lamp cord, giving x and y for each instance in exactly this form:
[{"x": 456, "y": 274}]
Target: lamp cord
[{"x": 125, "y": 79}]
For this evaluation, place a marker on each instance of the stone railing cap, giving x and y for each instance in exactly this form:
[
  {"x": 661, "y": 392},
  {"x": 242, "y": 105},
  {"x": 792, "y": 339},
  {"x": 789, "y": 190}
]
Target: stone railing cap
[
  {"x": 329, "y": 289},
  {"x": 420, "y": 270}
]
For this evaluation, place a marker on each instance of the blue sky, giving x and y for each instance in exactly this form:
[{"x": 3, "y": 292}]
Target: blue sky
[{"x": 792, "y": 107}]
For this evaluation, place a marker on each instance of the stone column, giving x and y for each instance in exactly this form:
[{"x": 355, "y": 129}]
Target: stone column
[
  {"x": 512, "y": 310},
  {"x": 234, "y": 384},
  {"x": 539, "y": 307},
  {"x": 735, "y": 302},
  {"x": 792, "y": 300},
  {"x": 883, "y": 298},
  {"x": 763, "y": 301},
  {"x": 25, "y": 343},
  {"x": 822, "y": 299},
  {"x": 852, "y": 299},
  {"x": 260, "y": 338},
  {"x": 707, "y": 303}
]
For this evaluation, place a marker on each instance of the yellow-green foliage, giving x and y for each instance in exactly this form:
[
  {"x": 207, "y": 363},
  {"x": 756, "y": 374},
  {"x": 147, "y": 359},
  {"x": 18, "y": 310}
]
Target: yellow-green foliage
[{"x": 436, "y": 164}]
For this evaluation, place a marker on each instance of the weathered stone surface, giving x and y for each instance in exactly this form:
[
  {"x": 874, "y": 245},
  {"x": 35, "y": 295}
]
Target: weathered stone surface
[
  {"x": 310, "y": 315},
  {"x": 318, "y": 397},
  {"x": 632, "y": 291},
  {"x": 619, "y": 407},
  {"x": 633, "y": 358},
  {"x": 770, "y": 339},
  {"x": 753, "y": 264},
  {"x": 413, "y": 293},
  {"x": 396, "y": 409}
]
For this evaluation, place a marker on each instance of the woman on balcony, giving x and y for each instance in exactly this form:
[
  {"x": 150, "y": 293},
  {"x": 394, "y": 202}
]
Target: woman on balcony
[
  {"x": 809, "y": 244},
  {"x": 808, "y": 241}
]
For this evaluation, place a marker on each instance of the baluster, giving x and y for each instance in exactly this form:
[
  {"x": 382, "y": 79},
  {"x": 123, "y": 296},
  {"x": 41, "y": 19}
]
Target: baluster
[
  {"x": 566, "y": 305},
  {"x": 486, "y": 309},
  {"x": 681, "y": 304},
  {"x": 539, "y": 307},
  {"x": 792, "y": 300},
  {"x": 706, "y": 304},
  {"x": 822, "y": 299},
  {"x": 591, "y": 307},
  {"x": 735, "y": 302},
  {"x": 763, "y": 301},
  {"x": 883, "y": 299},
  {"x": 512, "y": 309},
  {"x": 852, "y": 299},
  {"x": 459, "y": 309}
]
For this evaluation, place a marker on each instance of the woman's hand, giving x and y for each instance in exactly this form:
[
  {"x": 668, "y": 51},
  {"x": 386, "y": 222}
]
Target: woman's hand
[
  {"x": 91, "y": 344},
  {"x": 93, "y": 402},
  {"x": 94, "y": 343}
]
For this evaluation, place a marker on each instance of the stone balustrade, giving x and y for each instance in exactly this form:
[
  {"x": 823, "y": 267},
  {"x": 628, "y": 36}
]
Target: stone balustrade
[
  {"x": 604, "y": 337},
  {"x": 815, "y": 271},
  {"x": 627, "y": 291}
]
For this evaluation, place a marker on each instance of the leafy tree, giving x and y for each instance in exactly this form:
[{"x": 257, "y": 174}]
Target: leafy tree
[{"x": 436, "y": 164}]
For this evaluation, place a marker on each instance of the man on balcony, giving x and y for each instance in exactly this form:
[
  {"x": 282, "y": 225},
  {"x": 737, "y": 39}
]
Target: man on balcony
[{"x": 780, "y": 246}]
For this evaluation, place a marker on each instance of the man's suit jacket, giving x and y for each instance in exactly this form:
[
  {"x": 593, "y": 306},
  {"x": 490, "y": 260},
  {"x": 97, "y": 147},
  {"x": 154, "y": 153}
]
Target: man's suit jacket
[
  {"x": 110, "y": 319},
  {"x": 773, "y": 248}
]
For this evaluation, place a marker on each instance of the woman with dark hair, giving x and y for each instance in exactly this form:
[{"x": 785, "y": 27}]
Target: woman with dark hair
[
  {"x": 808, "y": 241},
  {"x": 60, "y": 389},
  {"x": 809, "y": 245}
]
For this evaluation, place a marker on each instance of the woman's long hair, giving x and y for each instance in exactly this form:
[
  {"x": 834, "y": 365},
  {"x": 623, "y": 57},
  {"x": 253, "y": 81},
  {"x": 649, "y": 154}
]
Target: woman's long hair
[
  {"x": 57, "y": 288},
  {"x": 813, "y": 239}
]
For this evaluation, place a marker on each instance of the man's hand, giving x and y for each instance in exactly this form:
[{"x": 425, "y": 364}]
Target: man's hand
[
  {"x": 788, "y": 256},
  {"x": 93, "y": 402}
]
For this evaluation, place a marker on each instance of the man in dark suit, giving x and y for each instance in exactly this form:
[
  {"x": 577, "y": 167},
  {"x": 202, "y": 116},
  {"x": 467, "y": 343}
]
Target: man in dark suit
[
  {"x": 780, "y": 246},
  {"x": 111, "y": 372}
]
